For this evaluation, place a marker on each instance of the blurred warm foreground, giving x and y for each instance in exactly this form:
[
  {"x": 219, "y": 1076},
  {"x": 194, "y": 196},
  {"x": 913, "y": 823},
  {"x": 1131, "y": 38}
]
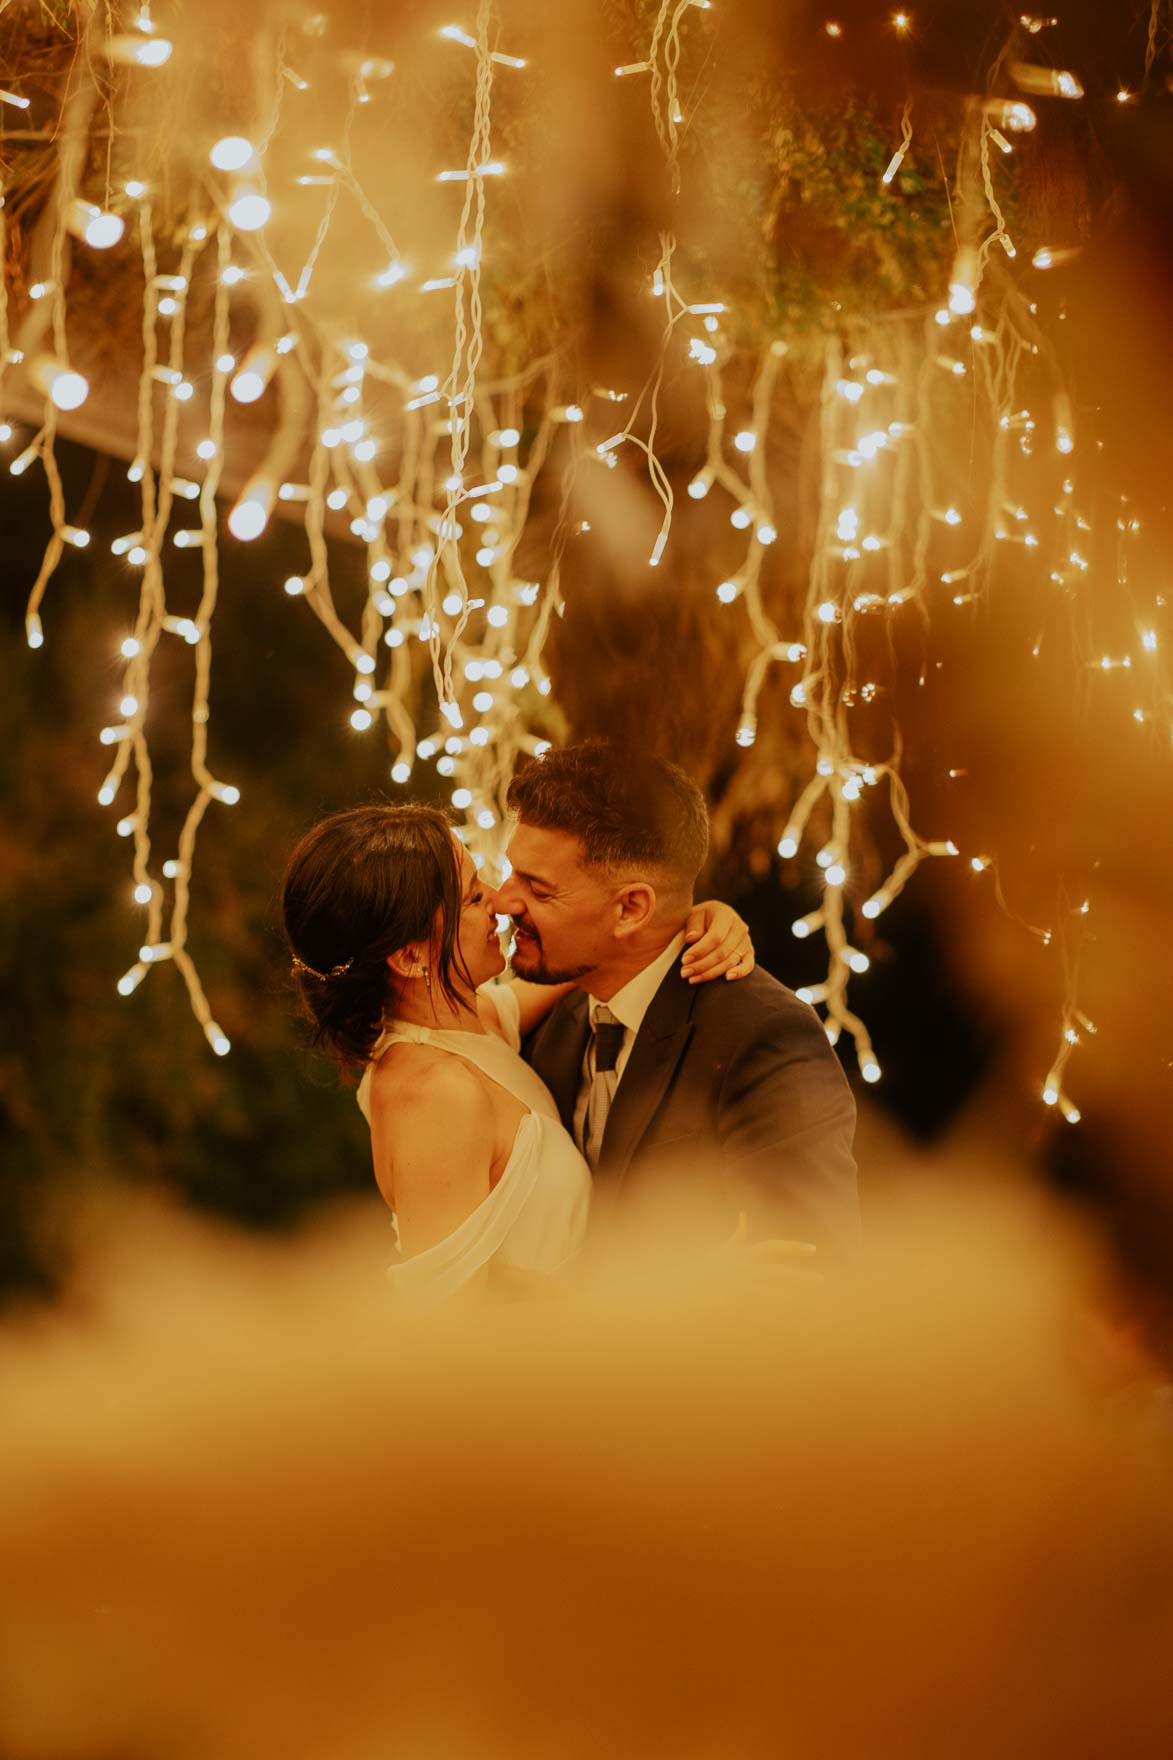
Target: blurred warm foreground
[{"x": 248, "y": 1510}]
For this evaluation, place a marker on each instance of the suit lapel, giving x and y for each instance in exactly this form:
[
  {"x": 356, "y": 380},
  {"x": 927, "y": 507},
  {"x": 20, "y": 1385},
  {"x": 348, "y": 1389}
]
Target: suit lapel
[
  {"x": 559, "y": 1048},
  {"x": 659, "y": 1046}
]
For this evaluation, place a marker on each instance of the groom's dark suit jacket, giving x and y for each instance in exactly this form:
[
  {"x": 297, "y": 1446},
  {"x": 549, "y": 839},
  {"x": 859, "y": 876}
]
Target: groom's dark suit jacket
[{"x": 732, "y": 1100}]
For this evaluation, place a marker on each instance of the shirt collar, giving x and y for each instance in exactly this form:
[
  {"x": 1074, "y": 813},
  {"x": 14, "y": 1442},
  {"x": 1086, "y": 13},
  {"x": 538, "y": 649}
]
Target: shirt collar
[{"x": 630, "y": 1004}]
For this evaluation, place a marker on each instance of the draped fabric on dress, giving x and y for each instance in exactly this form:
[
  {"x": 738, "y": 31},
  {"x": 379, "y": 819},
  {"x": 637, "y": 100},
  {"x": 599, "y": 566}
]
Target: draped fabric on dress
[{"x": 535, "y": 1216}]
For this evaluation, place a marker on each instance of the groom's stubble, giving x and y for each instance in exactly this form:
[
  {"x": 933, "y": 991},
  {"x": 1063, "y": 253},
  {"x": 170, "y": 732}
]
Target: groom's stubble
[{"x": 529, "y": 961}]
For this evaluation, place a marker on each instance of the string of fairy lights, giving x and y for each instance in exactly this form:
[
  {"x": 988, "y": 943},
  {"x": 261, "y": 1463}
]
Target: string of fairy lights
[{"x": 442, "y": 539}]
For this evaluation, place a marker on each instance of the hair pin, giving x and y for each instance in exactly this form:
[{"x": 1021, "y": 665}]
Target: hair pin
[{"x": 299, "y": 965}]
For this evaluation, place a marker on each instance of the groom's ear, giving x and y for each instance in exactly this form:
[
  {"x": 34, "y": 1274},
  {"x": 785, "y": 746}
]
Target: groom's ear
[{"x": 635, "y": 906}]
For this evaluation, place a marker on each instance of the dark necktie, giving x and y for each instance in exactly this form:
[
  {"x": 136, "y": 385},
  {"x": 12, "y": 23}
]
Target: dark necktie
[{"x": 605, "y": 1044}]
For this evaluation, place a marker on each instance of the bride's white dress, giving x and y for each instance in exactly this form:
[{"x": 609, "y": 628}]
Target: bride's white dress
[{"x": 535, "y": 1216}]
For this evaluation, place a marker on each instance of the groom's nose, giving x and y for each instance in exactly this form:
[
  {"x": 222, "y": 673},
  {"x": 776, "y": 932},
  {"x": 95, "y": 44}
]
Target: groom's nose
[{"x": 507, "y": 901}]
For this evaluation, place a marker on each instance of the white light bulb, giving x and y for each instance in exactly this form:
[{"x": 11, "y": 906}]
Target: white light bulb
[
  {"x": 248, "y": 385},
  {"x": 65, "y": 388},
  {"x": 250, "y": 516},
  {"x": 232, "y": 153},
  {"x": 249, "y": 210},
  {"x": 103, "y": 231},
  {"x": 156, "y": 53},
  {"x": 746, "y": 440}
]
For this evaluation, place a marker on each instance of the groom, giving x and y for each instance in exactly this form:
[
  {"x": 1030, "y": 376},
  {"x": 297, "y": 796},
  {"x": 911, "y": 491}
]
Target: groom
[{"x": 716, "y": 1098}]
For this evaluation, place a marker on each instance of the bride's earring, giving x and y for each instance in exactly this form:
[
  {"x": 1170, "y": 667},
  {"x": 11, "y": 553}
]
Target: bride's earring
[{"x": 427, "y": 977}]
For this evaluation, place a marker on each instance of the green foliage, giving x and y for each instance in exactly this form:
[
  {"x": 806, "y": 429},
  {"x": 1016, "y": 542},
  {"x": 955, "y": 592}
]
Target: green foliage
[{"x": 95, "y": 1087}]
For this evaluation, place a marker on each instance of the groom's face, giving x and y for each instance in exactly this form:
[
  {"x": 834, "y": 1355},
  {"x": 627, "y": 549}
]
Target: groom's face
[{"x": 561, "y": 912}]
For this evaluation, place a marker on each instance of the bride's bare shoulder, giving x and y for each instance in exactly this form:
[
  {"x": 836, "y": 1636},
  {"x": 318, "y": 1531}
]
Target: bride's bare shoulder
[{"x": 411, "y": 1077}]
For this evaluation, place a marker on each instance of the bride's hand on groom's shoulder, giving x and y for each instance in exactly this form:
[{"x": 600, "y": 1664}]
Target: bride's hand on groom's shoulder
[{"x": 719, "y": 944}]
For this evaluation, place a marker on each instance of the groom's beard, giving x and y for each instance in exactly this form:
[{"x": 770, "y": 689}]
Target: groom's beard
[{"x": 529, "y": 961}]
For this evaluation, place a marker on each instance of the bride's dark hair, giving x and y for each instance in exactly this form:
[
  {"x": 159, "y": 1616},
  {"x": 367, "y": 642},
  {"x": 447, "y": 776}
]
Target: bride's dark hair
[{"x": 362, "y": 884}]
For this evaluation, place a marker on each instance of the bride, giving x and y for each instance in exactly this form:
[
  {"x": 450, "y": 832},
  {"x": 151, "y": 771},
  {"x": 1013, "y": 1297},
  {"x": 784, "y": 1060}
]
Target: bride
[{"x": 394, "y": 942}]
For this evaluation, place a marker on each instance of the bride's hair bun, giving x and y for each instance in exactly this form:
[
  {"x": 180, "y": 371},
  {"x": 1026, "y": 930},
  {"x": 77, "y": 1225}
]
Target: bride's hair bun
[{"x": 359, "y": 886}]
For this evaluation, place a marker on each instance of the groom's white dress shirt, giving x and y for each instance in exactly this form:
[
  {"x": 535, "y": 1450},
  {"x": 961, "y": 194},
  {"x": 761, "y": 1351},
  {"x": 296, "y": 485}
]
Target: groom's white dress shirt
[{"x": 629, "y": 1006}]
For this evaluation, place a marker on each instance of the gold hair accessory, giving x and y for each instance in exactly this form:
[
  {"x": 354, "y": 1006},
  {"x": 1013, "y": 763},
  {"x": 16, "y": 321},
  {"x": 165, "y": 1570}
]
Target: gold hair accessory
[{"x": 299, "y": 965}]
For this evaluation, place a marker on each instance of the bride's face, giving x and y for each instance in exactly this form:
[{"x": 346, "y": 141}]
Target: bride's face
[{"x": 477, "y": 940}]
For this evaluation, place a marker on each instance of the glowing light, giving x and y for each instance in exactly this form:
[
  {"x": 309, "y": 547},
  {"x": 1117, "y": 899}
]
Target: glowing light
[
  {"x": 249, "y": 210},
  {"x": 151, "y": 52},
  {"x": 232, "y": 153},
  {"x": 870, "y": 1070},
  {"x": 1019, "y": 118},
  {"x": 252, "y": 380},
  {"x": 100, "y": 230},
  {"x": 746, "y": 440},
  {"x": 250, "y": 515},
  {"x": 66, "y": 389},
  {"x": 836, "y": 874}
]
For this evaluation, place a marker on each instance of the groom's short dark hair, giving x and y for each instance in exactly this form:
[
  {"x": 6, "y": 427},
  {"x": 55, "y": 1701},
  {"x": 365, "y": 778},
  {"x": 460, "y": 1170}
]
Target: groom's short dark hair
[{"x": 628, "y": 809}]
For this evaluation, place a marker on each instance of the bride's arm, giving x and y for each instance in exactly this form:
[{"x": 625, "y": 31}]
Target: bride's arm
[{"x": 718, "y": 946}]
